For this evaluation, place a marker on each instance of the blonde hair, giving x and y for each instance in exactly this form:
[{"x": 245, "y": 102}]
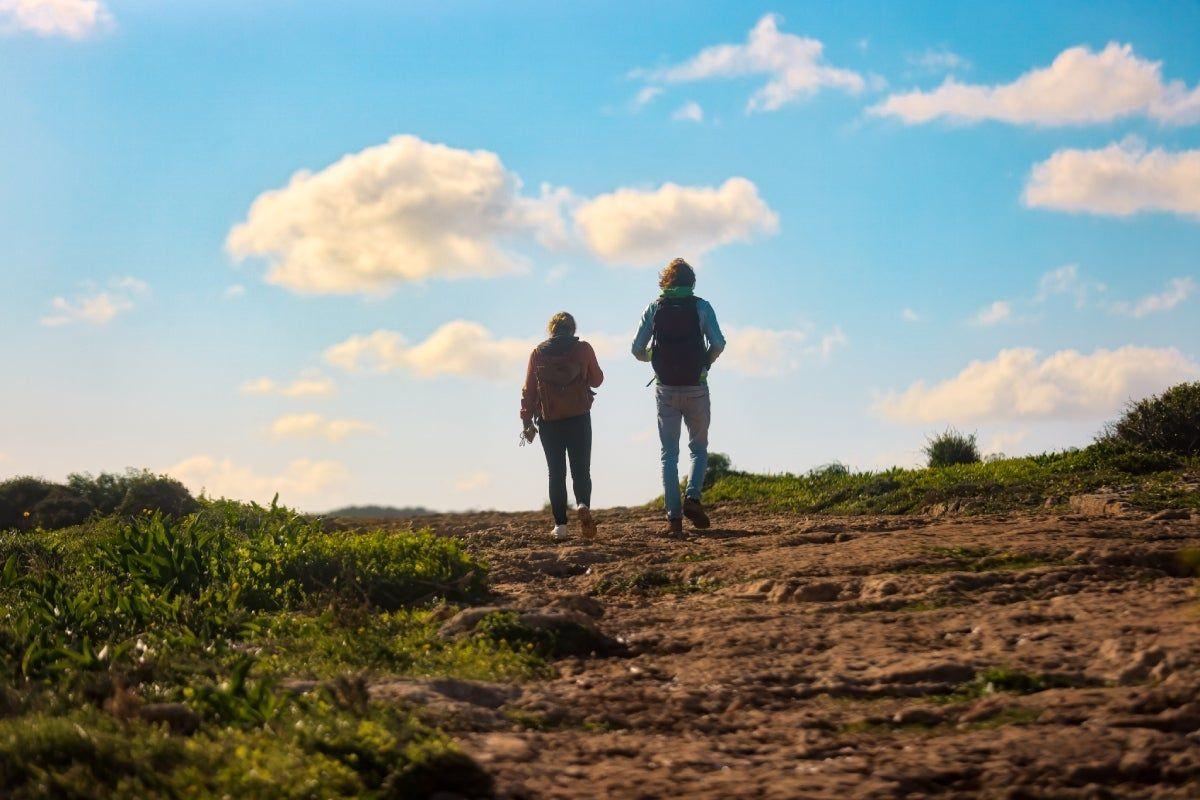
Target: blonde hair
[
  {"x": 677, "y": 273},
  {"x": 562, "y": 322}
]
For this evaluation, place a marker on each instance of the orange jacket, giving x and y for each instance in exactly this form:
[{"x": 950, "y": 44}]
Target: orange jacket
[{"x": 574, "y": 347}]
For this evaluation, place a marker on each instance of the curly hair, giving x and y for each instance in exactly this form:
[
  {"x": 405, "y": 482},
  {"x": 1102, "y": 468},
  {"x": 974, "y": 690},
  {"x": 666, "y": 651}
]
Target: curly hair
[
  {"x": 677, "y": 273},
  {"x": 563, "y": 323}
]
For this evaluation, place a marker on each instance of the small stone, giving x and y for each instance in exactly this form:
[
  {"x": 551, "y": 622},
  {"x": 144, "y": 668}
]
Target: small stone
[
  {"x": 1170, "y": 514},
  {"x": 505, "y": 747},
  {"x": 918, "y": 716}
]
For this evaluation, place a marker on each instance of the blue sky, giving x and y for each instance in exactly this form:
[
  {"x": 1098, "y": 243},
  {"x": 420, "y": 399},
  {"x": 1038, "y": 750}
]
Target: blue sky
[{"x": 907, "y": 215}]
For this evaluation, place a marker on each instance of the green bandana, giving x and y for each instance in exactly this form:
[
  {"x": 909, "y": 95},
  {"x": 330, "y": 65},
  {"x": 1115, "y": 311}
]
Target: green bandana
[{"x": 675, "y": 292}]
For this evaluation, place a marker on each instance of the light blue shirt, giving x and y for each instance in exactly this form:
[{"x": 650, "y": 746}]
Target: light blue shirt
[{"x": 708, "y": 326}]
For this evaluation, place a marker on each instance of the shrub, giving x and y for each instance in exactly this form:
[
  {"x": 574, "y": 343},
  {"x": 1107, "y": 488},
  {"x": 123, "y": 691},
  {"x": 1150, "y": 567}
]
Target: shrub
[
  {"x": 1169, "y": 422},
  {"x": 830, "y": 471},
  {"x": 61, "y": 508},
  {"x": 156, "y": 493},
  {"x": 18, "y": 496},
  {"x": 951, "y": 447},
  {"x": 719, "y": 465},
  {"x": 106, "y": 490}
]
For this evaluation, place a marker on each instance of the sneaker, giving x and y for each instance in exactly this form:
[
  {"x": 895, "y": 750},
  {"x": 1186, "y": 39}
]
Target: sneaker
[
  {"x": 674, "y": 527},
  {"x": 587, "y": 525},
  {"x": 561, "y": 532},
  {"x": 695, "y": 512}
]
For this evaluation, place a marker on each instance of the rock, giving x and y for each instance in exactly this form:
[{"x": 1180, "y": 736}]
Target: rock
[
  {"x": 579, "y": 603},
  {"x": 477, "y": 693},
  {"x": 879, "y": 588},
  {"x": 176, "y": 716},
  {"x": 1171, "y": 514},
  {"x": 919, "y": 716},
  {"x": 465, "y": 621},
  {"x": 818, "y": 591},
  {"x": 937, "y": 672},
  {"x": 1098, "y": 505},
  {"x": 505, "y": 747},
  {"x": 1139, "y": 666}
]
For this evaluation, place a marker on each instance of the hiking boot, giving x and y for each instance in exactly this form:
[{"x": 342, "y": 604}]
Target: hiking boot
[
  {"x": 587, "y": 525},
  {"x": 674, "y": 527},
  {"x": 695, "y": 512},
  {"x": 560, "y": 532}
]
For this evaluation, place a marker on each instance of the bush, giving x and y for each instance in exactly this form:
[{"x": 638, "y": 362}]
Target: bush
[
  {"x": 832, "y": 470},
  {"x": 719, "y": 466},
  {"x": 1169, "y": 422},
  {"x": 61, "y": 508},
  {"x": 951, "y": 447},
  {"x": 18, "y": 496},
  {"x": 106, "y": 490},
  {"x": 149, "y": 493}
]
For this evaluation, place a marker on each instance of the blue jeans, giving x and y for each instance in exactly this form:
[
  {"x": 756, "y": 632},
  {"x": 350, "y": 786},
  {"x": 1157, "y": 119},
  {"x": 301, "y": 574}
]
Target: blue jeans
[{"x": 689, "y": 405}]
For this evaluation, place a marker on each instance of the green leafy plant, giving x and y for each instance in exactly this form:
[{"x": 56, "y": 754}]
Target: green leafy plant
[
  {"x": 950, "y": 448},
  {"x": 1169, "y": 422}
]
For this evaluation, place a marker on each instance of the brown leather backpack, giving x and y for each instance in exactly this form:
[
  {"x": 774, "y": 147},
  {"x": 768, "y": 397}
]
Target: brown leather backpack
[{"x": 562, "y": 390}]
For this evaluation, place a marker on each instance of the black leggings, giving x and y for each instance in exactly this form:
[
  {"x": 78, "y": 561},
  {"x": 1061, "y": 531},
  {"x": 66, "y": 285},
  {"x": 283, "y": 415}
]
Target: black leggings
[{"x": 563, "y": 439}]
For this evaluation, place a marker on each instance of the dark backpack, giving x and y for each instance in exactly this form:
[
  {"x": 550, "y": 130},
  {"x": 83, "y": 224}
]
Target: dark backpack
[
  {"x": 562, "y": 392},
  {"x": 678, "y": 353}
]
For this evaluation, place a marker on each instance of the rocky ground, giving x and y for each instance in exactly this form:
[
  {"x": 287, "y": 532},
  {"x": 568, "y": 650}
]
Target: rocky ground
[{"x": 1042, "y": 655}]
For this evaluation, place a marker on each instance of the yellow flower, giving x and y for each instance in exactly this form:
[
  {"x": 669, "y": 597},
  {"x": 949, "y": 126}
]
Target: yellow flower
[{"x": 26, "y": 514}]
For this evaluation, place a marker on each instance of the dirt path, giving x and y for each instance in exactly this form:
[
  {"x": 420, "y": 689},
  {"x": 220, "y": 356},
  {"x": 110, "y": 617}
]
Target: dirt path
[{"x": 787, "y": 657}]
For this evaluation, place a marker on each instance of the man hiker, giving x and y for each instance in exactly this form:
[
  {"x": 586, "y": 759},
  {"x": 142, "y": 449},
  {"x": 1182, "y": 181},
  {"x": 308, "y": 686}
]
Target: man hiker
[
  {"x": 680, "y": 338},
  {"x": 558, "y": 395}
]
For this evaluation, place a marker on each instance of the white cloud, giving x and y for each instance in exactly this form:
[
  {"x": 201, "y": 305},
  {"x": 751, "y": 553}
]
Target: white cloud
[
  {"x": 96, "y": 306},
  {"x": 473, "y": 482},
  {"x": 312, "y": 425},
  {"x": 459, "y": 347},
  {"x": 1178, "y": 290},
  {"x": 74, "y": 19},
  {"x": 994, "y": 314},
  {"x": 646, "y": 95},
  {"x": 1018, "y": 384},
  {"x": 909, "y": 315},
  {"x": 763, "y": 353},
  {"x": 793, "y": 64},
  {"x": 1066, "y": 280},
  {"x": 1121, "y": 179},
  {"x": 1079, "y": 87},
  {"x": 223, "y": 478},
  {"x": 234, "y": 291},
  {"x": 689, "y": 112},
  {"x": 648, "y": 227},
  {"x": 1003, "y": 442},
  {"x": 311, "y": 385},
  {"x": 402, "y": 211},
  {"x": 937, "y": 60}
]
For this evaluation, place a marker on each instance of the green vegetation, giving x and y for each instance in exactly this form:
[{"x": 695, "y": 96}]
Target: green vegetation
[
  {"x": 143, "y": 656},
  {"x": 1169, "y": 422},
  {"x": 27, "y": 503},
  {"x": 995, "y": 680},
  {"x": 950, "y": 448},
  {"x": 379, "y": 512},
  {"x": 981, "y": 559},
  {"x": 1153, "y": 479}
]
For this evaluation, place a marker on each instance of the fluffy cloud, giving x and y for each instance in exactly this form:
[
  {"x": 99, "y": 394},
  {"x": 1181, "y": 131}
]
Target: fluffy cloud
[
  {"x": 313, "y": 426},
  {"x": 646, "y": 95},
  {"x": 1004, "y": 442},
  {"x": 301, "y": 479},
  {"x": 909, "y": 315},
  {"x": 402, "y": 211},
  {"x": 460, "y": 347},
  {"x": 314, "y": 385},
  {"x": 763, "y": 353},
  {"x": 793, "y": 64},
  {"x": 994, "y": 314},
  {"x": 1018, "y": 384},
  {"x": 74, "y": 19},
  {"x": 1178, "y": 290},
  {"x": 640, "y": 227},
  {"x": 97, "y": 306},
  {"x": 689, "y": 112},
  {"x": 1079, "y": 87},
  {"x": 1121, "y": 179}
]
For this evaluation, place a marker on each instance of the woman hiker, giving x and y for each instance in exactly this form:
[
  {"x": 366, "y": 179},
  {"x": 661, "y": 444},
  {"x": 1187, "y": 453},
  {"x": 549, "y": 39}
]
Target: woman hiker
[{"x": 558, "y": 396}]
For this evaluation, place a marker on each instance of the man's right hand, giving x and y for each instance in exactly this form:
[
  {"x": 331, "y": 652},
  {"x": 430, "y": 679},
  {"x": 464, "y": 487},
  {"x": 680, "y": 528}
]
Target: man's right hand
[{"x": 530, "y": 432}]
